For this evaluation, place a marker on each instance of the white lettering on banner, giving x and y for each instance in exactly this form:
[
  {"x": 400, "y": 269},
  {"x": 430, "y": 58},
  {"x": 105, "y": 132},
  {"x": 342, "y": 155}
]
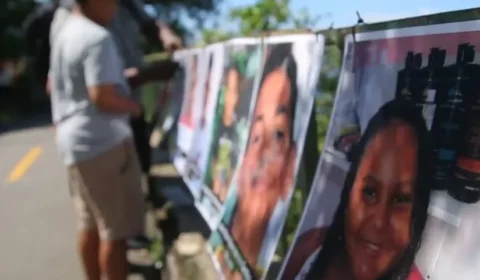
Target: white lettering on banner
[{"x": 234, "y": 251}]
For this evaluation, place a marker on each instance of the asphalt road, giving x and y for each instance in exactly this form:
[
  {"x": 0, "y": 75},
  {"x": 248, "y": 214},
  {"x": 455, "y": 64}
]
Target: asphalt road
[
  {"x": 37, "y": 225},
  {"x": 37, "y": 229}
]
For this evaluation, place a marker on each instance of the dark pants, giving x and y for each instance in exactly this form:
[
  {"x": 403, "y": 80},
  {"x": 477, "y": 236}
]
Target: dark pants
[
  {"x": 141, "y": 137},
  {"x": 142, "y": 142}
]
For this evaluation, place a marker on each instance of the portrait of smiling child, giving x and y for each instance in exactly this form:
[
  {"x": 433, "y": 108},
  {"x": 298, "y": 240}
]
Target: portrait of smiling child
[
  {"x": 378, "y": 224},
  {"x": 267, "y": 171}
]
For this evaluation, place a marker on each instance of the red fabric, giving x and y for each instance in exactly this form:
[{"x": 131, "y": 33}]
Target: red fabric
[{"x": 415, "y": 274}]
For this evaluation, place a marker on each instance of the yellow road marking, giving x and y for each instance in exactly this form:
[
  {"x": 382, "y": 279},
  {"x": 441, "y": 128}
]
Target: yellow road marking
[{"x": 24, "y": 164}]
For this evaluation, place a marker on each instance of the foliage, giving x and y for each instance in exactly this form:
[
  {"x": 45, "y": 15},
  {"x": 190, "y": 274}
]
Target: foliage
[
  {"x": 264, "y": 15},
  {"x": 327, "y": 85},
  {"x": 174, "y": 13},
  {"x": 12, "y": 15},
  {"x": 303, "y": 19},
  {"x": 210, "y": 36}
]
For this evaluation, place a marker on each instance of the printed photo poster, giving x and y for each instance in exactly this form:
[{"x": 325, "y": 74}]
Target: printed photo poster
[
  {"x": 192, "y": 76},
  {"x": 260, "y": 193},
  {"x": 240, "y": 76},
  {"x": 208, "y": 91},
  {"x": 396, "y": 195},
  {"x": 172, "y": 98},
  {"x": 185, "y": 128}
]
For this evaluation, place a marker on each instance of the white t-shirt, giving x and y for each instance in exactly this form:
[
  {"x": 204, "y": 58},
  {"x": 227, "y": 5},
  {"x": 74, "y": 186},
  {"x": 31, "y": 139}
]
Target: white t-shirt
[
  {"x": 85, "y": 54},
  {"x": 59, "y": 18}
]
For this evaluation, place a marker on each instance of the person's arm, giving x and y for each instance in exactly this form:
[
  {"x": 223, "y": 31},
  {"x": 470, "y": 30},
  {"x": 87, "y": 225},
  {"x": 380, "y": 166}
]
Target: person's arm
[
  {"x": 48, "y": 85},
  {"x": 160, "y": 71},
  {"x": 102, "y": 79},
  {"x": 169, "y": 39}
]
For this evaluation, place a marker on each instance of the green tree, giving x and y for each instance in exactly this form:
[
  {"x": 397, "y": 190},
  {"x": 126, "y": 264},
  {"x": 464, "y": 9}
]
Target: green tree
[
  {"x": 12, "y": 15},
  {"x": 267, "y": 15},
  {"x": 327, "y": 86},
  {"x": 261, "y": 16},
  {"x": 175, "y": 11},
  {"x": 264, "y": 15},
  {"x": 209, "y": 36}
]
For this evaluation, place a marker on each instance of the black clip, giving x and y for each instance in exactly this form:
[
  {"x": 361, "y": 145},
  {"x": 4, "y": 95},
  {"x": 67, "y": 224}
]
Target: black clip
[{"x": 360, "y": 21}]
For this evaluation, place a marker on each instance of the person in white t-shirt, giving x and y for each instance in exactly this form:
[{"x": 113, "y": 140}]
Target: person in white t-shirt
[{"x": 91, "y": 106}]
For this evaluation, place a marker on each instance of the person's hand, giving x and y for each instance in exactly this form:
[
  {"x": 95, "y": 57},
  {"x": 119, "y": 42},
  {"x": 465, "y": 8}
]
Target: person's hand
[
  {"x": 130, "y": 72},
  {"x": 48, "y": 87},
  {"x": 171, "y": 41}
]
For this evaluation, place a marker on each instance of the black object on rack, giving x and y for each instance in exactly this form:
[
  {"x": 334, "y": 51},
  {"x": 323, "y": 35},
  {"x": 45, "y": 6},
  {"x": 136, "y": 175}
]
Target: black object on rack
[
  {"x": 438, "y": 117},
  {"x": 417, "y": 84},
  {"x": 466, "y": 187},
  {"x": 429, "y": 84},
  {"x": 404, "y": 78},
  {"x": 407, "y": 78}
]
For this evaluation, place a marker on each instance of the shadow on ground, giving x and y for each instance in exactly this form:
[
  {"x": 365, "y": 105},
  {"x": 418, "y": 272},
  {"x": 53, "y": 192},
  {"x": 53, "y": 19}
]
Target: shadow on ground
[
  {"x": 144, "y": 272},
  {"x": 36, "y": 120}
]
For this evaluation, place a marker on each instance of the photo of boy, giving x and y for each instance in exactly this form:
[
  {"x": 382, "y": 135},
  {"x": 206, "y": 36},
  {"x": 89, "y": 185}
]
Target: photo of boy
[
  {"x": 230, "y": 121},
  {"x": 267, "y": 172}
]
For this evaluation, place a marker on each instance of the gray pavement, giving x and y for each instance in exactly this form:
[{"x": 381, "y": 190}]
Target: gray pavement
[
  {"x": 37, "y": 239},
  {"x": 37, "y": 226}
]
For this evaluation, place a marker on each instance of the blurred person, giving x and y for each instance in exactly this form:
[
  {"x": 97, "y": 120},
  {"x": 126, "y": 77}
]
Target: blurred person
[
  {"x": 127, "y": 25},
  {"x": 91, "y": 105},
  {"x": 267, "y": 171}
]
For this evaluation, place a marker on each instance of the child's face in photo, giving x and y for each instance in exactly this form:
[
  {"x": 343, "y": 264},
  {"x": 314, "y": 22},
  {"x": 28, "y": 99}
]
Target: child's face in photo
[
  {"x": 231, "y": 96},
  {"x": 381, "y": 202},
  {"x": 268, "y": 162}
]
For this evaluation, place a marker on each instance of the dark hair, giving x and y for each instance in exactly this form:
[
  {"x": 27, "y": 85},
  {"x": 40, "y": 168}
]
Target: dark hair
[
  {"x": 281, "y": 55},
  {"x": 335, "y": 237},
  {"x": 243, "y": 85},
  {"x": 81, "y": 2}
]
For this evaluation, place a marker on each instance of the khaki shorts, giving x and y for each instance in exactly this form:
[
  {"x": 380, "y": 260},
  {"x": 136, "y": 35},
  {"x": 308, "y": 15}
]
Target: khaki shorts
[{"x": 107, "y": 194}]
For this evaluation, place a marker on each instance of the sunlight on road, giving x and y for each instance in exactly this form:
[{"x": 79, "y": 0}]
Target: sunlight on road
[{"x": 24, "y": 164}]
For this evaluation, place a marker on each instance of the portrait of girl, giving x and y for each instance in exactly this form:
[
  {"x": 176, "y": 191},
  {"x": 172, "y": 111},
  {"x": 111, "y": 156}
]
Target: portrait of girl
[{"x": 378, "y": 224}]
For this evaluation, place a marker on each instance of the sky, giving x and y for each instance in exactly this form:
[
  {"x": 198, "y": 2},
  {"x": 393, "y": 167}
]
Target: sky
[{"x": 342, "y": 12}]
